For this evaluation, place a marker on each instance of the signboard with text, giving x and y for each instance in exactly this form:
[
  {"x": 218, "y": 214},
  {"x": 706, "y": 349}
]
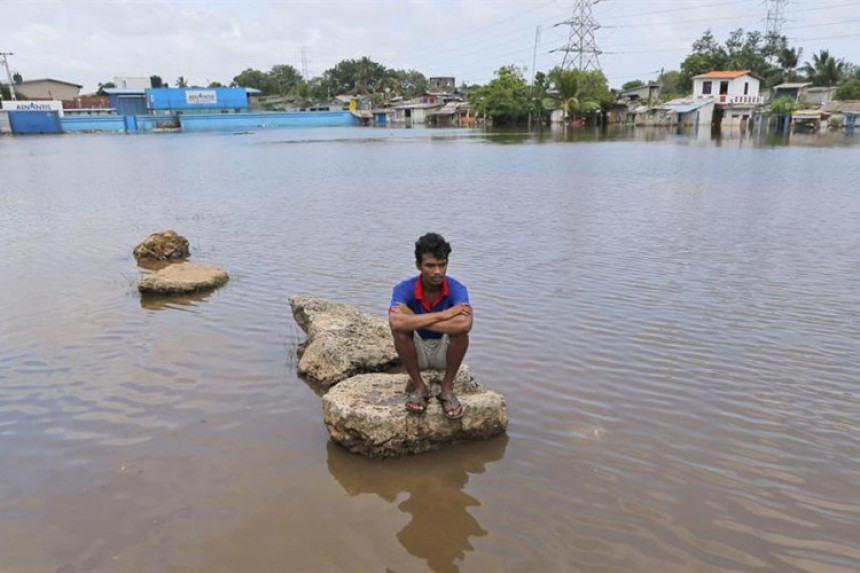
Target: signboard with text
[
  {"x": 205, "y": 97},
  {"x": 28, "y": 105}
]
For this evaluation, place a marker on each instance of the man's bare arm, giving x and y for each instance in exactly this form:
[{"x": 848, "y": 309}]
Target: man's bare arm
[
  {"x": 402, "y": 319},
  {"x": 460, "y": 324}
]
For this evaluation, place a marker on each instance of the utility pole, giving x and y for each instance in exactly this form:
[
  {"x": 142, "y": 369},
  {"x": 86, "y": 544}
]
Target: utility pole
[
  {"x": 5, "y": 55},
  {"x": 775, "y": 17},
  {"x": 534, "y": 63},
  {"x": 581, "y": 52}
]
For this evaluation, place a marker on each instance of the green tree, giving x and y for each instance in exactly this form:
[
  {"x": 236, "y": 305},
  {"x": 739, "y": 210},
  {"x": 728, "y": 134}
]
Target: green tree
[
  {"x": 412, "y": 83},
  {"x": 282, "y": 78},
  {"x": 632, "y": 84},
  {"x": 215, "y": 85},
  {"x": 788, "y": 60},
  {"x": 360, "y": 76},
  {"x": 505, "y": 99},
  {"x": 102, "y": 86},
  {"x": 156, "y": 82},
  {"x": 17, "y": 78},
  {"x": 671, "y": 85},
  {"x": 251, "y": 78},
  {"x": 762, "y": 55},
  {"x": 784, "y": 105},
  {"x": 824, "y": 70},
  {"x": 581, "y": 92},
  {"x": 181, "y": 82},
  {"x": 848, "y": 90}
]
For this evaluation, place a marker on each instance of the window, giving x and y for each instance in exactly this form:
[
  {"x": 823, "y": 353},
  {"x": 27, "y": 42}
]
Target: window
[
  {"x": 706, "y": 88},
  {"x": 746, "y": 88}
]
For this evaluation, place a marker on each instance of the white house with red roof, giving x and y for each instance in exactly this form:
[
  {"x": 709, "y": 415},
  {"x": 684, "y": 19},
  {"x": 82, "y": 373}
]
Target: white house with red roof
[{"x": 734, "y": 93}]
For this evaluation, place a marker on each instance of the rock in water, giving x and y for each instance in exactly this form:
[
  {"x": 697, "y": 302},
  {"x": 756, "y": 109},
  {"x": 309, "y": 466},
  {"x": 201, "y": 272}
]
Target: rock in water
[
  {"x": 162, "y": 246},
  {"x": 342, "y": 340},
  {"x": 183, "y": 278},
  {"x": 366, "y": 414}
]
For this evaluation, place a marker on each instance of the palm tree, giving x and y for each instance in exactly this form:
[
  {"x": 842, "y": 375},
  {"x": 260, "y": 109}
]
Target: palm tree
[
  {"x": 788, "y": 59},
  {"x": 569, "y": 88},
  {"x": 824, "y": 70}
]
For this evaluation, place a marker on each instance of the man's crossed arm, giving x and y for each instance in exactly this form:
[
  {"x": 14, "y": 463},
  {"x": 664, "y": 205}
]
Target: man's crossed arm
[{"x": 455, "y": 320}]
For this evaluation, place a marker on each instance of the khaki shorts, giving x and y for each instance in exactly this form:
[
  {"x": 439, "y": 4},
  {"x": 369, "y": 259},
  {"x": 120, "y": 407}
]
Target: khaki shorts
[{"x": 431, "y": 352}]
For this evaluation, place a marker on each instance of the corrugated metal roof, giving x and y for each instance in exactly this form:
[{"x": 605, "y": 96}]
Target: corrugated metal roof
[
  {"x": 852, "y": 107},
  {"x": 792, "y": 85},
  {"x": 685, "y": 107}
]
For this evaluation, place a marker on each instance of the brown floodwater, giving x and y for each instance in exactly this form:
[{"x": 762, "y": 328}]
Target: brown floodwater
[{"x": 674, "y": 321}]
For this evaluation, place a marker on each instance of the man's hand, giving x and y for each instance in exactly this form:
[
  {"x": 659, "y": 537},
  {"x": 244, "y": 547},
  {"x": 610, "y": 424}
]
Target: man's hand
[{"x": 457, "y": 310}]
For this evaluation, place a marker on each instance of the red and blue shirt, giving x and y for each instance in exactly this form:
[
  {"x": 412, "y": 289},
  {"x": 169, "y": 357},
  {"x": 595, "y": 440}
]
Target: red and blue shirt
[{"x": 411, "y": 293}]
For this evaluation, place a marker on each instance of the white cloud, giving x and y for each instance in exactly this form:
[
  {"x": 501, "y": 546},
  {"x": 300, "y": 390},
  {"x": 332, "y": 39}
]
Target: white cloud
[{"x": 91, "y": 41}]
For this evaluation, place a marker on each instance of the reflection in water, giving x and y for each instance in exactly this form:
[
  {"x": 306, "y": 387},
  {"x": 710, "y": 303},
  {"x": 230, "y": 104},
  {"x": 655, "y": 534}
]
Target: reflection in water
[
  {"x": 441, "y": 524},
  {"x": 161, "y": 302}
]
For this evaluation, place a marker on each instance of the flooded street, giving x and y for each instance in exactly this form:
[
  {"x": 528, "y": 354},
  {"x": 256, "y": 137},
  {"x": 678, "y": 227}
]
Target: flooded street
[{"x": 673, "y": 320}]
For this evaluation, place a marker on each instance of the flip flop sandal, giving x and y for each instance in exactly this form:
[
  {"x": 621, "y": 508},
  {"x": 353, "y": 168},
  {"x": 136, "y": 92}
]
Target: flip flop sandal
[
  {"x": 455, "y": 410},
  {"x": 416, "y": 402}
]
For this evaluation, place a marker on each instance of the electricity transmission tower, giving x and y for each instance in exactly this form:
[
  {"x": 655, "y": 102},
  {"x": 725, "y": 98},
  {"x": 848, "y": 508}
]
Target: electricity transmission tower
[
  {"x": 581, "y": 52},
  {"x": 775, "y": 17},
  {"x": 304, "y": 57}
]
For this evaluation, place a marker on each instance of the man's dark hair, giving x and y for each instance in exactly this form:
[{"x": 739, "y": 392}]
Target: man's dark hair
[{"x": 433, "y": 244}]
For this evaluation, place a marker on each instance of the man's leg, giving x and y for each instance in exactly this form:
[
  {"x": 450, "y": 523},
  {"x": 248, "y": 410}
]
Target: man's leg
[
  {"x": 404, "y": 343},
  {"x": 458, "y": 344}
]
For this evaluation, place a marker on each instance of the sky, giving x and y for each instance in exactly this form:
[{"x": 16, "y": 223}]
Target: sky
[{"x": 88, "y": 42}]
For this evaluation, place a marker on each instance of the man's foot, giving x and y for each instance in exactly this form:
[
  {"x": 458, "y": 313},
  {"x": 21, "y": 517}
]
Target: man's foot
[
  {"x": 450, "y": 405},
  {"x": 416, "y": 402}
]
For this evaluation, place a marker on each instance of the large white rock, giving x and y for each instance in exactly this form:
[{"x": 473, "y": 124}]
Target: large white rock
[
  {"x": 366, "y": 414},
  {"x": 342, "y": 340},
  {"x": 183, "y": 278}
]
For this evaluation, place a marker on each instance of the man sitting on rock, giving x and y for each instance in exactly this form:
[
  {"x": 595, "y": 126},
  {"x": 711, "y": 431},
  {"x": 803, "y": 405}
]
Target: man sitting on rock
[{"x": 430, "y": 318}]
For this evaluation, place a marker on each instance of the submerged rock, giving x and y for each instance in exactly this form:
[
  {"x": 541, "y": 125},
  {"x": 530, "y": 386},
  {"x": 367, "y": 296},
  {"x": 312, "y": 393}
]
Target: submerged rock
[
  {"x": 183, "y": 278},
  {"x": 342, "y": 340},
  {"x": 366, "y": 414},
  {"x": 162, "y": 246}
]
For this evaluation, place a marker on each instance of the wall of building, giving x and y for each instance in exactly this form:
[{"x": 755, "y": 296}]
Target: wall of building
[
  {"x": 92, "y": 123},
  {"x": 210, "y": 122},
  {"x": 736, "y": 86},
  {"x": 192, "y": 100},
  {"x": 441, "y": 84},
  {"x": 47, "y": 90}
]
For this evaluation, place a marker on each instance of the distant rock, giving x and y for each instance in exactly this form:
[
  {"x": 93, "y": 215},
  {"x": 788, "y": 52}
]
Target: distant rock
[
  {"x": 366, "y": 414},
  {"x": 183, "y": 278},
  {"x": 163, "y": 246},
  {"x": 341, "y": 340}
]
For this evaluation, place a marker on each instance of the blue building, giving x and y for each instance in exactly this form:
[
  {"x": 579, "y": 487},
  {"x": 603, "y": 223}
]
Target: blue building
[
  {"x": 172, "y": 101},
  {"x": 175, "y": 101},
  {"x": 127, "y": 101}
]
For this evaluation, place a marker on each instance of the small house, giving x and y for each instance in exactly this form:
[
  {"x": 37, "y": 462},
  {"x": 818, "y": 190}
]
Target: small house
[
  {"x": 48, "y": 89},
  {"x": 734, "y": 93},
  {"x": 794, "y": 90},
  {"x": 441, "y": 85}
]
